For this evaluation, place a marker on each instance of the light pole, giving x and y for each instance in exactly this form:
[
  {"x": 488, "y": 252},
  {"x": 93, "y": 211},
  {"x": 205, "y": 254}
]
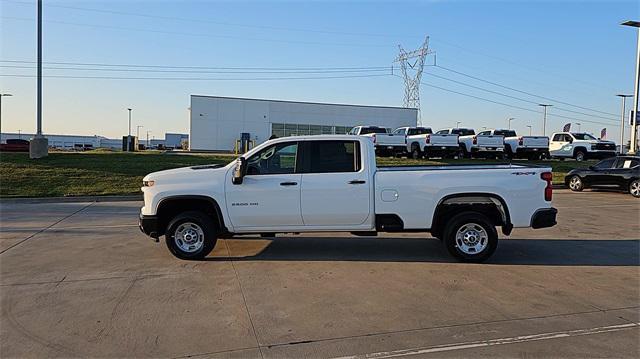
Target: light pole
[
  {"x": 458, "y": 124},
  {"x": 39, "y": 145},
  {"x": 148, "y": 132},
  {"x": 634, "y": 122},
  {"x": 579, "y": 124},
  {"x": 624, "y": 98},
  {"x": 529, "y": 129},
  {"x": 509, "y": 120},
  {"x": 129, "y": 135},
  {"x": 2, "y": 95},
  {"x": 544, "y": 118}
]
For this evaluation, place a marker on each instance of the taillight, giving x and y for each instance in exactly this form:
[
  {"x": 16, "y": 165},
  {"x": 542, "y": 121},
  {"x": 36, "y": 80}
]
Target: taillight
[
  {"x": 374, "y": 138},
  {"x": 548, "y": 191},
  {"x": 428, "y": 139},
  {"x": 475, "y": 140},
  {"x": 520, "y": 141}
]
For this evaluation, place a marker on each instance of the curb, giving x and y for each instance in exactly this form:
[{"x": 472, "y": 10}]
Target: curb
[{"x": 72, "y": 199}]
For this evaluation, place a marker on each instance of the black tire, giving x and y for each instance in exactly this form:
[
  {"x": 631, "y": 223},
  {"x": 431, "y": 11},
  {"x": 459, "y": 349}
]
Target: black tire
[
  {"x": 508, "y": 152},
  {"x": 415, "y": 151},
  {"x": 184, "y": 222},
  {"x": 635, "y": 191},
  {"x": 470, "y": 218},
  {"x": 580, "y": 155},
  {"x": 576, "y": 184},
  {"x": 465, "y": 154}
]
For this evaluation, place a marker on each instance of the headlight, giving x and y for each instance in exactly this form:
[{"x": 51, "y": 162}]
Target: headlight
[{"x": 148, "y": 183}]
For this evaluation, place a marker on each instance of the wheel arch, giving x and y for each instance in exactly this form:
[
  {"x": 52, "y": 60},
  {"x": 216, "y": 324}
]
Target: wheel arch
[
  {"x": 170, "y": 206},
  {"x": 452, "y": 204}
]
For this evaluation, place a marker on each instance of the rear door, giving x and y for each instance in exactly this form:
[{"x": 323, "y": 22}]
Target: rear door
[
  {"x": 335, "y": 184},
  {"x": 619, "y": 174}
]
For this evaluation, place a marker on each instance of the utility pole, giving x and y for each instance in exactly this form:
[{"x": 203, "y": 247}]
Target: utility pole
[
  {"x": 39, "y": 145},
  {"x": 529, "y": 129},
  {"x": 1, "y": 96},
  {"x": 624, "y": 98},
  {"x": 129, "y": 135},
  {"x": 544, "y": 118},
  {"x": 634, "y": 120},
  {"x": 509, "y": 120},
  {"x": 138, "y": 130},
  {"x": 411, "y": 64},
  {"x": 579, "y": 124},
  {"x": 148, "y": 132},
  {"x": 458, "y": 124}
]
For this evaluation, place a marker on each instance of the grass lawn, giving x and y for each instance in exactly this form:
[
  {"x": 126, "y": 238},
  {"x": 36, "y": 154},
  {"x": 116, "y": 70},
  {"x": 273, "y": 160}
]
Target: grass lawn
[{"x": 120, "y": 173}]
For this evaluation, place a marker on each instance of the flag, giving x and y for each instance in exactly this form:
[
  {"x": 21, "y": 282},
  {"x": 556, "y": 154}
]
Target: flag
[
  {"x": 603, "y": 133},
  {"x": 567, "y": 127}
]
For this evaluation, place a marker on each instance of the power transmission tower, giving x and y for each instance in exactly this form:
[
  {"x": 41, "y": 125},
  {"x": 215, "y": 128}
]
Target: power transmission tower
[{"x": 411, "y": 64}]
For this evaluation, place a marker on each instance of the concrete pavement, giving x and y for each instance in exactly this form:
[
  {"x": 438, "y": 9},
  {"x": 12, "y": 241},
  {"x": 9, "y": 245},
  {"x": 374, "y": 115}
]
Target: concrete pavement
[{"x": 79, "y": 280}]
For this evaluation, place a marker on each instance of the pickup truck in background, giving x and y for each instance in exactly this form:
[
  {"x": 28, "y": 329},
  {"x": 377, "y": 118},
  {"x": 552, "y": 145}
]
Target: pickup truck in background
[
  {"x": 580, "y": 146},
  {"x": 529, "y": 147},
  {"x": 386, "y": 144},
  {"x": 332, "y": 184},
  {"x": 421, "y": 142},
  {"x": 484, "y": 144}
]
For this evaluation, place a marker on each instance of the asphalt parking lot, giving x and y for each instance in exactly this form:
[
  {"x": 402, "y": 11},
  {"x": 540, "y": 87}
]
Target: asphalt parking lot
[{"x": 80, "y": 280}]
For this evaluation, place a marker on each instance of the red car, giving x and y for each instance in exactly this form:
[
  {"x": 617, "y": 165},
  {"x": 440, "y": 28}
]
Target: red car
[{"x": 15, "y": 145}]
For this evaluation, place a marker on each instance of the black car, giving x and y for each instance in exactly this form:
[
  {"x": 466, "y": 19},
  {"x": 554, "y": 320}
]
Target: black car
[{"x": 622, "y": 172}]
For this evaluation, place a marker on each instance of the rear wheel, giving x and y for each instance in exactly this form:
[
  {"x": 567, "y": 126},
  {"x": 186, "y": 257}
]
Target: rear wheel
[
  {"x": 634, "y": 188},
  {"x": 470, "y": 237},
  {"x": 575, "y": 184},
  {"x": 191, "y": 235},
  {"x": 415, "y": 151}
]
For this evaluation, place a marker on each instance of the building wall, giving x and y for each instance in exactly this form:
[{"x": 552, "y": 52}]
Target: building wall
[{"x": 217, "y": 122}]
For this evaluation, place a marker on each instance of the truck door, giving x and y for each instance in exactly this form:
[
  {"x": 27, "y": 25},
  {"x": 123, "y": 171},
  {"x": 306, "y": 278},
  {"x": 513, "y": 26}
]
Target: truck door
[
  {"x": 335, "y": 184},
  {"x": 269, "y": 196},
  {"x": 560, "y": 145}
]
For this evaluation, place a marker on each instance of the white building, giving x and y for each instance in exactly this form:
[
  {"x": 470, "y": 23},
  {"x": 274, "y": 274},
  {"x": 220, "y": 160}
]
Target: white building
[
  {"x": 216, "y": 123},
  {"x": 68, "y": 142}
]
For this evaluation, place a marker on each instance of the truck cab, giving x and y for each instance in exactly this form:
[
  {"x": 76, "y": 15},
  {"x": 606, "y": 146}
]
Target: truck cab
[{"x": 580, "y": 146}]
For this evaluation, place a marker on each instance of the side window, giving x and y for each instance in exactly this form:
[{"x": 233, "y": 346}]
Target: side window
[
  {"x": 353, "y": 131},
  {"x": 401, "y": 131},
  {"x": 558, "y": 137},
  {"x": 332, "y": 156},
  {"x": 627, "y": 163},
  {"x": 604, "y": 164},
  {"x": 442, "y": 132},
  {"x": 277, "y": 159},
  {"x": 412, "y": 132},
  {"x": 484, "y": 133}
]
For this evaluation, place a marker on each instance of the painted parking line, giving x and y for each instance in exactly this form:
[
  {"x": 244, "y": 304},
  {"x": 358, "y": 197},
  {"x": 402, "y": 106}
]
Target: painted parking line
[{"x": 492, "y": 342}]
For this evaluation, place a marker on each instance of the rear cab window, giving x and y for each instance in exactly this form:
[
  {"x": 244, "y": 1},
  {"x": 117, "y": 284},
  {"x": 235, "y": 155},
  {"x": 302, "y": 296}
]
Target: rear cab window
[
  {"x": 367, "y": 130},
  {"x": 333, "y": 156}
]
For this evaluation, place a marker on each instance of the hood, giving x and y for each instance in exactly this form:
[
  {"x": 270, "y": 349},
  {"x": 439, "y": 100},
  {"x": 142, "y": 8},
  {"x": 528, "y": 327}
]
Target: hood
[{"x": 183, "y": 174}]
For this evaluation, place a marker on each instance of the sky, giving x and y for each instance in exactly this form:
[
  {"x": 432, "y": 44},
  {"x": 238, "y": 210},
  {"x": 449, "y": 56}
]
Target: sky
[{"x": 493, "y": 60}]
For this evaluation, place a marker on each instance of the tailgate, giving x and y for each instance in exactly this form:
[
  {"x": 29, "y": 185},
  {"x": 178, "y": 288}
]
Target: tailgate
[
  {"x": 444, "y": 140},
  {"x": 390, "y": 140},
  {"x": 535, "y": 141},
  {"x": 490, "y": 141}
]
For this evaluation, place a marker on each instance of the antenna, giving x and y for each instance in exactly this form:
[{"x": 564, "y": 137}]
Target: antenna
[{"x": 411, "y": 64}]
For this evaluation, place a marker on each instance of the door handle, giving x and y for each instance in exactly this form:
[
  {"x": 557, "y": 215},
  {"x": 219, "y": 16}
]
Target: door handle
[
  {"x": 357, "y": 182},
  {"x": 288, "y": 183}
]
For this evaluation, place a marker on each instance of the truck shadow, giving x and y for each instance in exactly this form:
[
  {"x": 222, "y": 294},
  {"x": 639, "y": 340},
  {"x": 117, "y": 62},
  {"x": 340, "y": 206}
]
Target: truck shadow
[{"x": 556, "y": 252}]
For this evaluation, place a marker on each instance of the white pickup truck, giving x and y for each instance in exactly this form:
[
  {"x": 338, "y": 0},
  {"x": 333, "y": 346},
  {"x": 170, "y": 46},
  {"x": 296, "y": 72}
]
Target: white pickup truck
[
  {"x": 421, "y": 142},
  {"x": 529, "y": 147},
  {"x": 484, "y": 144},
  {"x": 580, "y": 146},
  {"x": 386, "y": 144},
  {"x": 332, "y": 184}
]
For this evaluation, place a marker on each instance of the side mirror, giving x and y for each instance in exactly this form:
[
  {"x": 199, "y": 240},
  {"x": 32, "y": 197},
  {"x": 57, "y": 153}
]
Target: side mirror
[
  {"x": 570, "y": 140},
  {"x": 240, "y": 170}
]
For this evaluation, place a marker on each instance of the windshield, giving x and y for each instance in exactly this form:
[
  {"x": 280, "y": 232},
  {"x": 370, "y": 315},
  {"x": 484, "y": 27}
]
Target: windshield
[
  {"x": 366, "y": 130},
  {"x": 583, "y": 136}
]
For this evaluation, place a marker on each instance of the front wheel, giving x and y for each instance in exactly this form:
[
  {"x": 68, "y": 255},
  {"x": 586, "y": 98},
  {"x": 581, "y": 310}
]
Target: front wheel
[
  {"x": 634, "y": 188},
  {"x": 580, "y": 155},
  {"x": 575, "y": 184},
  {"x": 191, "y": 235},
  {"x": 470, "y": 237}
]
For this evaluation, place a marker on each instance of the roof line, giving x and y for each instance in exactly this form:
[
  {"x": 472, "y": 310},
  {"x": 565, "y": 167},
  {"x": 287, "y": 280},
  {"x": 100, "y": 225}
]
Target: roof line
[{"x": 307, "y": 102}]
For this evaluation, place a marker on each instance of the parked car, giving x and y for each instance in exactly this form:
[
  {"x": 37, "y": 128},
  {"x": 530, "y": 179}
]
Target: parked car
[
  {"x": 530, "y": 147},
  {"x": 332, "y": 183},
  {"x": 580, "y": 145},
  {"x": 621, "y": 172},
  {"x": 386, "y": 144},
  {"x": 484, "y": 144},
  {"x": 421, "y": 142},
  {"x": 15, "y": 145}
]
